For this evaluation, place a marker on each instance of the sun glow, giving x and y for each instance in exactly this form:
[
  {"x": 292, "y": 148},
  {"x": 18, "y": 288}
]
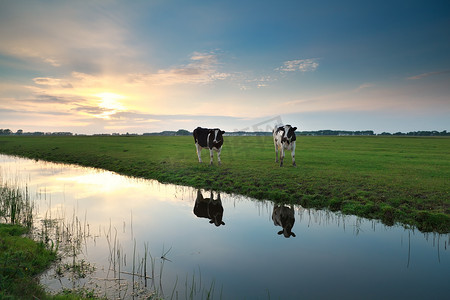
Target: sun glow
[{"x": 109, "y": 103}]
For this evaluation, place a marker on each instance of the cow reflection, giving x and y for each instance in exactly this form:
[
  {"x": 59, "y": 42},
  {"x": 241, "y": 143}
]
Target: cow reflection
[
  {"x": 284, "y": 216},
  {"x": 209, "y": 208}
]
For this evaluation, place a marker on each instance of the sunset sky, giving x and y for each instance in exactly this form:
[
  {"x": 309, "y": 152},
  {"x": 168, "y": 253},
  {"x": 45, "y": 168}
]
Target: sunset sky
[{"x": 147, "y": 66}]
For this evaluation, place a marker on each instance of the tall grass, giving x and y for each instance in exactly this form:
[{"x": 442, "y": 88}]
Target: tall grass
[
  {"x": 146, "y": 273},
  {"x": 16, "y": 206},
  {"x": 137, "y": 273},
  {"x": 21, "y": 258}
]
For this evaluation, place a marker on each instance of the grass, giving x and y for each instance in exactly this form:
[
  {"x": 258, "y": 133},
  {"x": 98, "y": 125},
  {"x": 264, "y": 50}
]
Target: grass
[
  {"x": 22, "y": 259},
  {"x": 395, "y": 179}
]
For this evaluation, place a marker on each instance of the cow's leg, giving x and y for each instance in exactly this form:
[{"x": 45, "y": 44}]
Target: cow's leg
[
  {"x": 293, "y": 155},
  {"x": 218, "y": 155},
  {"x": 211, "y": 155},
  {"x": 281, "y": 156},
  {"x": 199, "y": 152},
  {"x": 293, "y": 158},
  {"x": 276, "y": 150}
]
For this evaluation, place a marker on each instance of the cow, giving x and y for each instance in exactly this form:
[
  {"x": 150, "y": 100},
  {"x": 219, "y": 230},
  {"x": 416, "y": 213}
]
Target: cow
[
  {"x": 209, "y": 208},
  {"x": 208, "y": 138},
  {"x": 284, "y": 216},
  {"x": 284, "y": 139}
]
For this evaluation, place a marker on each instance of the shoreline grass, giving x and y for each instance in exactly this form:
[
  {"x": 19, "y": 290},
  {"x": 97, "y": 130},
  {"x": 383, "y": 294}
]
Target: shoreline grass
[
  {"x": 23, "y": 257},
  {"x": 21, "y": 260},
  {"x": 395, "y": 179}
]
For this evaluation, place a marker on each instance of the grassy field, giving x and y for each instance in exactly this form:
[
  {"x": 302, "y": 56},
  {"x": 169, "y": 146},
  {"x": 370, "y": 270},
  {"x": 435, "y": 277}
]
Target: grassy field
[{"x": 395, "y": 179}]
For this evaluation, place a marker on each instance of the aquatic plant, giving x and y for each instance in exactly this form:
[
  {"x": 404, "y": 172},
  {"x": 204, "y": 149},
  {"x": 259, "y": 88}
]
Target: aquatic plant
[{"x": 16, "y": 206}]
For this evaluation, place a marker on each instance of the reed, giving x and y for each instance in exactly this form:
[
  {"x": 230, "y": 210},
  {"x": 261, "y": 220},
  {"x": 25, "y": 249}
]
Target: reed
[
  {"x": 21, "y": 258},
  {"x": 16, "y": 207}
]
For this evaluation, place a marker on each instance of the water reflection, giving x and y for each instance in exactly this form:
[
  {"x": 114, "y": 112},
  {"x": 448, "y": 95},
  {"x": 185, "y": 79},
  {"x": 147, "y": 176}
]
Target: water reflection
[
  {"x": 209, "y": 208},
  {"x": 283, "y": 216},
  {"x": 125, "y": 229}
]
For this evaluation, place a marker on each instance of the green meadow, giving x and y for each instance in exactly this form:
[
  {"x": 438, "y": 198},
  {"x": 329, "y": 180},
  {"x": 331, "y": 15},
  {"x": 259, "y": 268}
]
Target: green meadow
[{"x": 394, "y": 179}]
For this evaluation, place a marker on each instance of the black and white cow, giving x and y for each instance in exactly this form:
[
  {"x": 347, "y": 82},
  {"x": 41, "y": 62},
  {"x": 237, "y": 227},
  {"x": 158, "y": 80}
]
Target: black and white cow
[
  {"x": 284, "y": 139},
  {"x": 284, "y": 216},
  {"x": 209, "y": 208},
  {"x": 208, "y": 138}
]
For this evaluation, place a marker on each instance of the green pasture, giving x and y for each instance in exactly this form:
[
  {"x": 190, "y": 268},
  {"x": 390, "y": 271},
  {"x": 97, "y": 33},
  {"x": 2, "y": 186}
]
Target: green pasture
[{"x": 395, "y": 179}]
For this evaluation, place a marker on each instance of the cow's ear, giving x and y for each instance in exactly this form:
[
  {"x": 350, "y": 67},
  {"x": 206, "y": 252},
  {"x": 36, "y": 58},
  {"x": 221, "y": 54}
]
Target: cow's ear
[
  {"x": 222, "y": 132},
  {"x": 295, "y": 128},
  {"x": 223, "y": 223},
  {"x": 292, "y": 234},
  {"x": 280, "y": 232}
]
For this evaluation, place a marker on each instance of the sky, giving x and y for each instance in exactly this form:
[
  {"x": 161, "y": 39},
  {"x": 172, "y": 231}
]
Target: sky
[{"x": 110, "y": 66}]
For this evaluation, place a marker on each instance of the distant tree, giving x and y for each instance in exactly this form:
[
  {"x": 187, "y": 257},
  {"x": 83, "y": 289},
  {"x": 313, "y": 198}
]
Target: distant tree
[
  {"x": 19, "y": 132},
  {"x": 5, "y": 132},
  {"x": 182, "y": 132}
]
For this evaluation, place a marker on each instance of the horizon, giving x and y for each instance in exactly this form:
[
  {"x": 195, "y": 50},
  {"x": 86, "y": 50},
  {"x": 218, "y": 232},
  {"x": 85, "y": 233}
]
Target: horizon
[
  {"x": 334, "y": 131},
  {"x": 114, "y": 66}
]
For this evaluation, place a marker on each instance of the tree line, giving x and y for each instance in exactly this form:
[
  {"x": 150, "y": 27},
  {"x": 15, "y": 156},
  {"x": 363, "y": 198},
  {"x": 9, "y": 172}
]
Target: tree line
[
  {"x": 182, "y": 132},
  {"x": 420, "y": 133},
  {"x": 20, "y": 132}
]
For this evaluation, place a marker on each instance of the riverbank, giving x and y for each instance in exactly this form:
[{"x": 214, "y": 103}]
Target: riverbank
[
  {"x": 389, "y": 178},
  {"x": 22, "y": 258}
]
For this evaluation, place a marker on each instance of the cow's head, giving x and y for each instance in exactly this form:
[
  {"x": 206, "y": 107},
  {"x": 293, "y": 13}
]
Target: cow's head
[
  {"x": 289, "y": 134},
  {"x": 217, "y": 135}
]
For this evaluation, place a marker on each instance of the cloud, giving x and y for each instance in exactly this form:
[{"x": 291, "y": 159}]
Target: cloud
[
  {"x": 52, "y": 82},
  {"x": 82, "y": 35},
  {"x": 423, "y": 75},
  {"x": 367, "y": 97},
  {"x": 364, "y": 86},
  {"x": 203, "y": 68},
  {"x": 248, "y": 81},
  {"x": 92, "y": 110},
  {"x": 204, "y": 59},
  {"x": 302, "y": 65},
  {"x": 53, "y": 99}
]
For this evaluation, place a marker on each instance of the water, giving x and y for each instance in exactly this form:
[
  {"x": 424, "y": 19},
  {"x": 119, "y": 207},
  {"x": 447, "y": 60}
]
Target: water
[{"x": 111, "y": 222}]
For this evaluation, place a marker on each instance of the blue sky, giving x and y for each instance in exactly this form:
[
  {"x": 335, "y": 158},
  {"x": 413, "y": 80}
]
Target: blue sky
[{"x": 146, "y": 66}]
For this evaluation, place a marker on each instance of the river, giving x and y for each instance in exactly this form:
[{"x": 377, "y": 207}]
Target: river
[{"x": 129, "y": 238}]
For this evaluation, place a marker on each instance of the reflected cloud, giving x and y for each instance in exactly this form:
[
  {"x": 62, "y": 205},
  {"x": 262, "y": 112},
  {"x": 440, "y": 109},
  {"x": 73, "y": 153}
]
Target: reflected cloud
[
  {"x": 209, "y": 208},
  {"x": 284, "y": 216}
]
